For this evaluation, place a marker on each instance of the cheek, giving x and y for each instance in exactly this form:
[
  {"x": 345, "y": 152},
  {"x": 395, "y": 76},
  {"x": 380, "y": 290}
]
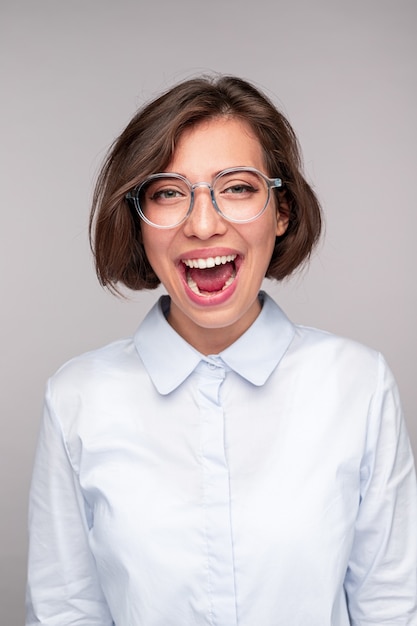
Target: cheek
[
  {"x": 264, "y": 232},
  {"x": 260, "y": 240},
  {"x": 267, "y": 239},
  {"x": 155, "y": 244}
]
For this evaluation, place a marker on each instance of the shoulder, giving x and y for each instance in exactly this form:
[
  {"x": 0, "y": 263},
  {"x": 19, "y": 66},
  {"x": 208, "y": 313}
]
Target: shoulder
[
  {"x": 352, "y": 378},
  {"x": 320, "y": 353},
  {"x": 312, "y": 342},
  {"x": 108, "y": 356},
  {"x": 337, "y": 357},
  {"x": 97, "y": 368},
  {"x": 308, "y": 336}
]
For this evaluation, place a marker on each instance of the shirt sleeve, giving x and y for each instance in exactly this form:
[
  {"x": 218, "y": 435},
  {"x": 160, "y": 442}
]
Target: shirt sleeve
[
  {"x": 381, "y": 581},
  {"x": 62, "y": 584}
]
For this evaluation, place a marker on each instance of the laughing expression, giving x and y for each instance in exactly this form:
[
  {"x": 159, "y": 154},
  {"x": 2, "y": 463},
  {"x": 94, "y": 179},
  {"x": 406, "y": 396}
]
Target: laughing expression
[{"x": 211, "y": 268}]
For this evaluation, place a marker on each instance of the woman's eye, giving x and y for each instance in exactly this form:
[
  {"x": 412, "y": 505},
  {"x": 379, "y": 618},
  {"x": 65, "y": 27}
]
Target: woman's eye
[
  {"x": 239, "y": 189},
  {"x": 166, "y": 194}
]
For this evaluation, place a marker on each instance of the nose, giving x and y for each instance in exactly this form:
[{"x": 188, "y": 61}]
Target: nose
[{"x": 204, "y": 221}]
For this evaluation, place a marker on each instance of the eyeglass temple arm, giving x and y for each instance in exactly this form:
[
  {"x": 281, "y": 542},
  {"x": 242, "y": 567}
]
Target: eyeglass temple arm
[{"x": 275, "y": 182}]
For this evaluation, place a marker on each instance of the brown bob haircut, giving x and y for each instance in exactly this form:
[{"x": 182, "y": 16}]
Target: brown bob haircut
[{"x": 147, "y": 145}]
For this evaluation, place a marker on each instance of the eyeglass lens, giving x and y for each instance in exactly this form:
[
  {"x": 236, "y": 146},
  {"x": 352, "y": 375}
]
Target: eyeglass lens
[{"x": 239, "y": 195}]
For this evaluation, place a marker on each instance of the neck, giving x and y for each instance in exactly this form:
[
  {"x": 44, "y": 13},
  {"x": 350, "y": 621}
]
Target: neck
[{"x": 210, "y": 336}]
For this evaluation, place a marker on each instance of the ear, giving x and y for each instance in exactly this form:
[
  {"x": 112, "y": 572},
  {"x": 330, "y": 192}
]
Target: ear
[{"x": 283, "y": 214}]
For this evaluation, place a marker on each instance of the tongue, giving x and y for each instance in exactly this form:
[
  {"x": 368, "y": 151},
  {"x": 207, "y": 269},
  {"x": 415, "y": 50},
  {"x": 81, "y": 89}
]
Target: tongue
[{"x": 212, "y": 279}]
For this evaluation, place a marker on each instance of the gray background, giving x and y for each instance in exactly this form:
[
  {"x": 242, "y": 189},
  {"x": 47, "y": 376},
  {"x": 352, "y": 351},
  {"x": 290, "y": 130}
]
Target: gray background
[{"x": 72, "y": 74}]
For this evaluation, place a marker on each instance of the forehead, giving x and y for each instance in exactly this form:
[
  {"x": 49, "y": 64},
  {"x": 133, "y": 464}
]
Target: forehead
[{"x": 216, "y": 144}]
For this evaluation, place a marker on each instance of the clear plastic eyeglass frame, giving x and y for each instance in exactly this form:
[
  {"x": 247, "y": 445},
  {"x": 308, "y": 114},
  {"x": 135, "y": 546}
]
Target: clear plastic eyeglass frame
[{"x": 134, "y": 195}]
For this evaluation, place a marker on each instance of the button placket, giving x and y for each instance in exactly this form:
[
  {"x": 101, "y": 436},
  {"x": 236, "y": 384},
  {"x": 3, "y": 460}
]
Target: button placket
[{"x": 216, "y": 487}]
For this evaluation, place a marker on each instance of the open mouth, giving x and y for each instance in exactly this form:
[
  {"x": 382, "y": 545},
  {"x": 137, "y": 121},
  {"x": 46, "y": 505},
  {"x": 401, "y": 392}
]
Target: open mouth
[{"x": 208, "y": 276}]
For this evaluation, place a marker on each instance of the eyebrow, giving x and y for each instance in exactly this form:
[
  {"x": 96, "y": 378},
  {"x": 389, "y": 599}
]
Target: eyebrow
[{"x": 213, "y": 176}]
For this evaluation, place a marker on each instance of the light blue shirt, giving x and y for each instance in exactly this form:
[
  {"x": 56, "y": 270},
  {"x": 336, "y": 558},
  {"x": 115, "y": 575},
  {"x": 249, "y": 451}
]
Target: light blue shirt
[{"x": 270, "y": 485}]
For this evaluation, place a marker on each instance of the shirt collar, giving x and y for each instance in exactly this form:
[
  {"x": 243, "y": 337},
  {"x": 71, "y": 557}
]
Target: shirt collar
[
  {"x": 258, "y": 351},
  {"x": 169, "y": 359}
]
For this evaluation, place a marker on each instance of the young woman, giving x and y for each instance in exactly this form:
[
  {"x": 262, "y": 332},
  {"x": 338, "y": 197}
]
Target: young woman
[{"x": 223, "y": 466}]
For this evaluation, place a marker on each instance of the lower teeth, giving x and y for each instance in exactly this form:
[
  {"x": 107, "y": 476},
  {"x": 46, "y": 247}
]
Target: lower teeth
[{"x": 194, "y": 287}]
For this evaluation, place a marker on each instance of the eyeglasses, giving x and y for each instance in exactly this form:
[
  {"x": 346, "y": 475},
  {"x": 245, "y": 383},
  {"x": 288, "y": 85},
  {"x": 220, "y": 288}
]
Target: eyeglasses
[{"x": 239, "y": 194}]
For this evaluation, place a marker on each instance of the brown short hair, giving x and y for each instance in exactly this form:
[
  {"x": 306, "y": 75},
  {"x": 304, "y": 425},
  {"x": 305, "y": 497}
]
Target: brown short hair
[{"x": 146, "y": 146}]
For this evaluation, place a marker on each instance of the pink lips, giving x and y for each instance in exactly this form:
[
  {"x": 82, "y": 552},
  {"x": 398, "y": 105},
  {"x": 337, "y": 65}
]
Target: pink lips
[{"x": 222, "y": 267}]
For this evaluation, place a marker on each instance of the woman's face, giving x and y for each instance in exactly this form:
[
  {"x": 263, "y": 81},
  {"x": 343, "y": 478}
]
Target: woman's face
[{"x": 208, "y": 319}]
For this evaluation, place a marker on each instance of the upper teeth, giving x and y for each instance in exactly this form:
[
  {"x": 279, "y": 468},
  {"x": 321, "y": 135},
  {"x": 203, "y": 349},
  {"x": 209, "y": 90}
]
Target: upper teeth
[{"x": 211, "y": 261}]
